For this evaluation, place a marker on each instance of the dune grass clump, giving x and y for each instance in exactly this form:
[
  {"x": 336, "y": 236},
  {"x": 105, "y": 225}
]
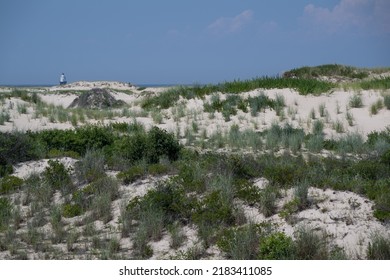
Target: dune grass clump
[
  {"x": 378, "y": 84},
  {"x": 240, "y": 243},
  {"x": 386, "y": 101},
  {"x": 6, "y": 209},
  {"x": 310, "y": 245},
  {"x": 4, "y": 117},
  {"x": 376, "y": 107},
  {"x": 379, "y": 247},
  {"x": 91, "y": 166},
  {"x": 355, "y": 101}
]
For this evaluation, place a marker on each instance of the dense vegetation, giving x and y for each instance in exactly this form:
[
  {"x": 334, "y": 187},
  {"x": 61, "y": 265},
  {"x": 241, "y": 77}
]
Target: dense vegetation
[{"x": 201, "y": 190}]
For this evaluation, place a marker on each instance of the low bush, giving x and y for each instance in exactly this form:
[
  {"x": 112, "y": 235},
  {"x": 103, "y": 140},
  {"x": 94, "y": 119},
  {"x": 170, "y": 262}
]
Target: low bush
[
  {"x": 277, "y": 246},
  {"x": 161, "y": 143},
  {"x": 70, "y": 210},
  {"x": 9, "y": 184},
  {"x": 57, "y": 176},
  {"x": 18, "y": 147},
  {"x": 132, "y": 174},
  {"x": 169, "y": 197}
]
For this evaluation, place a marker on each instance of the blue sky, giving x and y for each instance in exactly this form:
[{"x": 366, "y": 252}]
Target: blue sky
[{"x": 185, "y": 42}]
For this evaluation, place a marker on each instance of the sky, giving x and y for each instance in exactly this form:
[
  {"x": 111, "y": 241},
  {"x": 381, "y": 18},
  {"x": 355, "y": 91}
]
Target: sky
[{"x": 186, "y": 41}]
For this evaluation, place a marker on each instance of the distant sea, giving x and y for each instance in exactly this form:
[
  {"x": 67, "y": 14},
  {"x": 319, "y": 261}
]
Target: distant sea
[{"x": 52, "y": 85}]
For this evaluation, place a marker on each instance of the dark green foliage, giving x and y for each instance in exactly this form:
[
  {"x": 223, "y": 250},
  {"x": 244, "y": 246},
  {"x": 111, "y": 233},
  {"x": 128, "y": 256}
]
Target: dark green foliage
[
  {"x": 57, "y": 176},
  {"x": 158, "y": 169},
  {"x": 10, "y": 184},
  {"x": 247, "y": 192},
  {"x": 327, "y": 70},
  {"x": 5, "y": 212},
  {"x": 132, "y": 174},
  {"x": 168, "y": 196},
  {"x": 283, "y": 172},
  {"x": 17, "y": 147},
  {"x": 150, "y": 146},
  {"x": 161, "y": 143},
  {"x": 70, "y": 210},
  {"x": 375, "y": 136},
  {"x": 132, "y": 148},
  {"x": 277, "y": 246},
  {"x": 385, "y": 158},
  {"x": 79, "y": 140},
  {"x": 211, "y": 211}
]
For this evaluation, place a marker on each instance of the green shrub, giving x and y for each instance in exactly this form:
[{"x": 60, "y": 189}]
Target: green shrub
[
  {"x": 212, "y": 213},
  {"x": 158, "y": 169},
  {"x": 248, "y": 192},
  {"x": 132, "y": 148},
  {"x": 70, "y": 210},
  {"x": 79, "y": 140},
  {"x": 18, "y": 147},
  {"x": 277, "y": 246},
  {"x": 132, "y": 174},
  {"x": 161, "y": 143},
  {"x": 9, "y": 184},
  {"x": 168, "y": 196},
  {"x": 57, "y": 176}
]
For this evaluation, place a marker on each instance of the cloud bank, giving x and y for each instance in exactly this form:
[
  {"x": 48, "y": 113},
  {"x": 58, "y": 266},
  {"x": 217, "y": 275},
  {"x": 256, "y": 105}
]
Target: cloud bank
[{"x": 364, "y": 15}]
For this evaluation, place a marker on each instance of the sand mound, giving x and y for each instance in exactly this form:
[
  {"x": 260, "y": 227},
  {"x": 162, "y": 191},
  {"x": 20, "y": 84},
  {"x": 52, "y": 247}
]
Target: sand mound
[{"x": 96, "y": 98}]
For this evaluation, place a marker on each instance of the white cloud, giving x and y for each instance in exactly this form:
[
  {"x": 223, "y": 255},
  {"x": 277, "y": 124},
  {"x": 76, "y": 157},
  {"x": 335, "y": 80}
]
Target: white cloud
[
  {"x": 371, "y": 15},
  {"x": 231, "y": 24}
]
